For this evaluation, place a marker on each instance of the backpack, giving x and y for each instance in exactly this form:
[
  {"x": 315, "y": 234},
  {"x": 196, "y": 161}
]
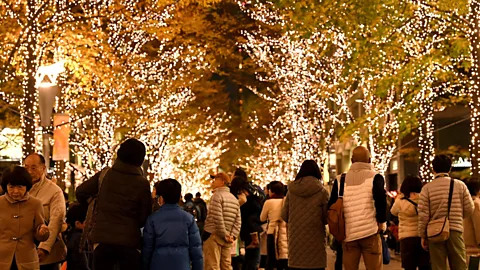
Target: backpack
[
  {"x": 335, "y": 218},
  {"x": 191, "y": 208}
]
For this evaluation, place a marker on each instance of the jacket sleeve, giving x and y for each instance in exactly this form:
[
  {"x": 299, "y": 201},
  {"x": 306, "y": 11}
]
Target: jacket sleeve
[
  {"x": 468, "y": 206},
  {"x": 395, "y": 208},
  {"x": 216, "y": 210},
  {"x": 148, "y": 243},
  {"x": 325, "y": 207},
  {"x": 57, "y": 217},
  {"x": 87, "y": 189},
  {"x": 265, "y": 209},
  {"x": 39, "y": 221},
  {"x": 238, "y": 224},
  {"x": 423, "y": 213},
  {"x": 380, "y": 198},
  {"x": 195, "y": 246},
  {"x": 285, "y": 208},
  {"x": 333, "y": 194},
  {"x": 476, "y": 221},
  {"x": 145, "y": 204}
]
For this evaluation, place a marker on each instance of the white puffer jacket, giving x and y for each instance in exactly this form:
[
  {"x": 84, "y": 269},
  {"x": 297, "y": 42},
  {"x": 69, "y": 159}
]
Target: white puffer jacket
[
  {"x": 407, "y": 215},
  {"x": 272, "y": 212}
]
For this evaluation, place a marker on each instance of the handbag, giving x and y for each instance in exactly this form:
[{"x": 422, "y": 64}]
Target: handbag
[
  {"x": 438, "y": 230},
  {"x": 85, "y": 239},
  {"x": 385, "y": 251}
]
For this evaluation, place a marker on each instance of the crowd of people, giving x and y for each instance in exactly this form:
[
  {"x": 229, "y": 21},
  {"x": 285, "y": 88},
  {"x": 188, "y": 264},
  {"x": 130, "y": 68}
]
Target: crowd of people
[{"x": 118, "y": 223}]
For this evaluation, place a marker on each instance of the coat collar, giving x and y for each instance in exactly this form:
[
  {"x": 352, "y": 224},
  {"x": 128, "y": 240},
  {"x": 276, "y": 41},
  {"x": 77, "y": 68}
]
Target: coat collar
[
  {"x": 127, "y": 168},
  {"x": 222, "y": 189},
  {"x": 361, "y": 166},
  {"x": 11, "y": 200},
  {"x": 170, "y": 206}
]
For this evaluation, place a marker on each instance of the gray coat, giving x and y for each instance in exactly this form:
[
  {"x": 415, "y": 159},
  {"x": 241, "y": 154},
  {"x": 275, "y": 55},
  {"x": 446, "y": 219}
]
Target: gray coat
[{"x": 305, "y": 211}]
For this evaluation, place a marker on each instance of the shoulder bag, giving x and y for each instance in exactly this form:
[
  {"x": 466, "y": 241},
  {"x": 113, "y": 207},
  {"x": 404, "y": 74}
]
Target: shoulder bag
[{"x": 438, "y": 230}]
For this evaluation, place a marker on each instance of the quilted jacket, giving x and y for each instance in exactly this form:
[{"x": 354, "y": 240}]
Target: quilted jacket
[
  {"x": 271, "y": 212},
  {"x": 407, "y": 216},
  {"x": 305, "y": 211},
  {"x": 172, "y": 240},
  {"x": 223, "y": 214},
  {"x": 434, "y": 201}
]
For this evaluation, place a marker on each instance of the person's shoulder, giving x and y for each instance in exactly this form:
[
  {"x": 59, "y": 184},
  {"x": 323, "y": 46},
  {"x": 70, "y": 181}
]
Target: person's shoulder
[
  {"x": 34, "y": 201},
  {"x": 52, "y": 186}
]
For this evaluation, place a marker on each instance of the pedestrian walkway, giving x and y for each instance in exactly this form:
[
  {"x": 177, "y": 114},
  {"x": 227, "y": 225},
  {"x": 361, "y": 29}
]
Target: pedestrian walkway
[{"x": 395, "y": 263}]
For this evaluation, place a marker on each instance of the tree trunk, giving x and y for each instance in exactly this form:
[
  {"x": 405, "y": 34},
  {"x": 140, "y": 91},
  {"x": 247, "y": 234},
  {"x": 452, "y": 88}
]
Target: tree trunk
[
  {"x": 425, "y": 142},
  {"x": 475, "y": 89},
  {"x": 29, "y": 89}
]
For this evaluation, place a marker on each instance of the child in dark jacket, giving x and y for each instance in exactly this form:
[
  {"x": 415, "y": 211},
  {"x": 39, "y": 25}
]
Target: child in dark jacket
[
  {"x": 171, "y": 240},
  {"x": 76, "y": 260}
]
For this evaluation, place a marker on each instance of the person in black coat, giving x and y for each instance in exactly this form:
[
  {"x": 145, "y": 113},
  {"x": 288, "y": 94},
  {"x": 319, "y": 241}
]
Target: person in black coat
[
  {"x": 251, "y": 224},
  {"x": 123, "y": 205}
]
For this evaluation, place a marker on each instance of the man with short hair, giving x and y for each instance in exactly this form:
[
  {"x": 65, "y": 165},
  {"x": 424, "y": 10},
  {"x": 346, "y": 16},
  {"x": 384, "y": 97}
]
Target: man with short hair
[
  {"x": 222, "y": 226},
  {"x": 365, "y": 210},
  {"x": 123, "y": 206},
  {"x": 53, "y": 251},
  {"x": 433, "y": 204}
]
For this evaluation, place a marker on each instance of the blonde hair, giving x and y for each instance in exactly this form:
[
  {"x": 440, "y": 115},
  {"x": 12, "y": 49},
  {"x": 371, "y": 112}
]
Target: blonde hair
[{"x": 224, "y": 177}]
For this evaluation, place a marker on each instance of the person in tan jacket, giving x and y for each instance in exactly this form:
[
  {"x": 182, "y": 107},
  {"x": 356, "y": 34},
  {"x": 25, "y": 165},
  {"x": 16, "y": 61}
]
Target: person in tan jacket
[
  {"x": 21, "y": 222},
  {"x": 53, "y": 250},
  {"x": 471, "y": 225},
  {"x": 222, "y": 226},
  {"x": 405, "y": 208}
]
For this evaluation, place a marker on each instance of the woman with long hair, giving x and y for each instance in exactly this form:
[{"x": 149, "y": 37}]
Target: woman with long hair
[
  {"x": 405, "y": 208},
  {"x": 305, "y": 211}
]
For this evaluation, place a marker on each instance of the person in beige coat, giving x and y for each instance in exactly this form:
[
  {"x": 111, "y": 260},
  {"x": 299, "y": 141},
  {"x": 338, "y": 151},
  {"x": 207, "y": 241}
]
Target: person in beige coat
[
  {"x": 405, "y": 208},
  {"x": 222, "y": 226},
  {"x": 21, "y": 222},
  {"x": 471, "y": 225},
  {"x": 53, "y": 250},
  {"x": 277, "y": 239}
]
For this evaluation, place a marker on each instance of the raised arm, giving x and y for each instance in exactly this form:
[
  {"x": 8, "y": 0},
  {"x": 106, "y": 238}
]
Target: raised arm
[{"x": 87, "y": 189}]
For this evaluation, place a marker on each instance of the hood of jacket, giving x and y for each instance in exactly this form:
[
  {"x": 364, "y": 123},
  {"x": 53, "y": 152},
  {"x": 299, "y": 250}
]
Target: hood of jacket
[
  {"x": 407, "y": 208},
  {"x": 305, "y": 187}
]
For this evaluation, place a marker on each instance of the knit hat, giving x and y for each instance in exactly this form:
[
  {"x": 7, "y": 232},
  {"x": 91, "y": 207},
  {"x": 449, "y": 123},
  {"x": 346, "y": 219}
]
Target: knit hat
[{"x": 132, "y": 151}]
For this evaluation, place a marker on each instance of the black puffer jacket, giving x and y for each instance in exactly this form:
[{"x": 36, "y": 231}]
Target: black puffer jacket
[{"x": 123, "y": 205}]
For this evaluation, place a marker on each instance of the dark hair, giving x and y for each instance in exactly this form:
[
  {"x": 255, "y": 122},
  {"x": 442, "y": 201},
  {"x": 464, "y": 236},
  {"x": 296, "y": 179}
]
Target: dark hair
[
  {"x": 40, "y": 156},
  {"x": 309, "y": 168},
  {"x": 241, "y": 173},
  {"x": 170, "y": 190},
  {"x": 198, "y": 195},
  {"x": 277, "y": 188},
  {"x": 16, "y": 176},
  {"x": 442, "y": 164},
  {"x": 411, "y": 184},
  {"x": 473, "y": 186},
  {"x": 132, "y": 151},
  {"x": 269, "y": 185},
  {"x": 188, "y": 197},
  {"x": 238, "y": 184},
  {"x": 76, "y": 212}
]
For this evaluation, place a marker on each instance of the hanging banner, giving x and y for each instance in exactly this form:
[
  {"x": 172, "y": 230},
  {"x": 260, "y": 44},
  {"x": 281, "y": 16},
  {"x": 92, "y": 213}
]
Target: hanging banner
[{"x": 61, "y": 134}]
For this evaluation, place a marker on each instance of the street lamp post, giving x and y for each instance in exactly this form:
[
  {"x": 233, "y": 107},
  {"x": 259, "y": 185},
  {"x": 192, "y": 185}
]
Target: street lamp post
[{"x": 46, "y": 82}]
